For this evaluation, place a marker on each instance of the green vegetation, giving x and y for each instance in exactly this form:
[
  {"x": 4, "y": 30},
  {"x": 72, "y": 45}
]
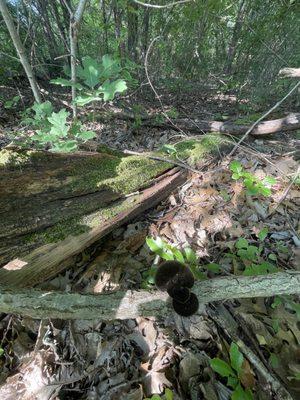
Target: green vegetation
[
  {"x": 254, "y": 185},
  {"x": 233, "y": 371}
]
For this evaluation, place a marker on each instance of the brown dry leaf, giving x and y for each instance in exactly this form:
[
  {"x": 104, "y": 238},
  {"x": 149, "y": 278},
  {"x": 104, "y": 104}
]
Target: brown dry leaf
[
  {"x": 247, "y": 375},
  {"x": 216, "y": 222},
  {"x": 183, "y": 229},
  {"x": 167, "y": 232},
  {"x": 238, "y": 193}
]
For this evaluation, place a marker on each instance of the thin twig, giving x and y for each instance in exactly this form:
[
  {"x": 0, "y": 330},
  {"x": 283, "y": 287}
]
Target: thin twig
[
  {"x": 149, "y": 5},
  {"x": 262, "y": 117}
]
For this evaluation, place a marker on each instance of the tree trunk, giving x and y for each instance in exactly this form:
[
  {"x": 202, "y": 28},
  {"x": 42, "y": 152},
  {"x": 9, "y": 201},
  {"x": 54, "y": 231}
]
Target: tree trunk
[
  {"x": 20, "y": 50},
  {"x": 75, "y": 19},
  {"x": 125, "y": 305},
  {"x": 118, "y": 29},
  {"x": 132, "y": 29}
]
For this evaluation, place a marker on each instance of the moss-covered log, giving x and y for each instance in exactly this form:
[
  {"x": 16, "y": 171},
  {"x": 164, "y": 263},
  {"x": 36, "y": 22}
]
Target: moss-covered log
[{"x": 53, "y": 205}]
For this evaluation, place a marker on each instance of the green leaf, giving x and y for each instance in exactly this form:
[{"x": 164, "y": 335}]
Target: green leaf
[
  {"x": 65, "y": 147},
  {"x": 274, "y": 360},
  {"x": 1, "y": 352},
  {"x": 168, "y": 394},
  {"x": 213, "y": 267},
  {"x": 236, "y": 176},
  {"x": 178, "y": 255},
  {"x": 232, "y": 381},
  {"x": 263, "y": 234},
  {"x": 272, "y": 257},
  {"x": 236, "y": 166},
  {"x": 89, "y": 72},
  {"x": 241, "y": 244},
  {"x": 236, "y": 357},
  {"x": 269, "y": 181},
  {"x": 265, "y": 191},
  {"x": 190, "y": 255},
  {"x": 84, "y": 100},
  {"x": 240, "y": 394},
  {"x": 169, "y": 149},
  {"x": 58, "y": 122},
  {"x": 66, "y": 83},
  {"x": 221, "y": 367},
  {"x": 85, "y": 135},
  {"x": 277, "y": 302},
  {"x": 109, "y": 89},
  {"x": 155, "y": 244},
  {"x": 110, "y": 67}
]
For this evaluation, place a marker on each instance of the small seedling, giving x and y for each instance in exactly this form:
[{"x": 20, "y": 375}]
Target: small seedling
[
  {"x": 12, "y": 102},
  {"x": 254, "y": 185},
  {"x": 168, "y": 395},
  {"x": 233, "y": 372}
]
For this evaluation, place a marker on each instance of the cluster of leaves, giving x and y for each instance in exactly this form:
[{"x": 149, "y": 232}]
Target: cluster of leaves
[
  {"x": 168, "y": 252},
  {"x": 233, "y": 371},
  {"x": 98, "y": 81},
  {"x": 250, "y": 257},
  {"x": 53, "y": 131},
  {"x": 254, "y": 185},
  {"x": 168, "y": 395},
  {"x": 12, "y": 103}
]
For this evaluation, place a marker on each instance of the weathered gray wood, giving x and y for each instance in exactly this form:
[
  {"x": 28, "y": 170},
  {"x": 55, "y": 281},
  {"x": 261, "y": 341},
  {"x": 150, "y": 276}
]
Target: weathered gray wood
[
  {"x": 123, "y": 305},
  {"x": 290, "y": 72}
]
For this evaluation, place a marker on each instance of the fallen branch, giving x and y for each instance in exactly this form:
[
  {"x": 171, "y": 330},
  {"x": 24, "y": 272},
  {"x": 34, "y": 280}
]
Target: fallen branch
[
  {"x": 290, "y": 72},
  {"x": 124, "y": 305}
]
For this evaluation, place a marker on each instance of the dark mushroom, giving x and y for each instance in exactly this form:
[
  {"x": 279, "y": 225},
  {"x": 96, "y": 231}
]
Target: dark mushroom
[{"x": 172, "y": 274}]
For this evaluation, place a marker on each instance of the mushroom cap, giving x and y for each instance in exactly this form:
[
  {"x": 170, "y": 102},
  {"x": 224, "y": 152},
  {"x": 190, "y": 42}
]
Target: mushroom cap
[
  {"x": 188, "y": 308},
  {"x": 172, "y": 274}
]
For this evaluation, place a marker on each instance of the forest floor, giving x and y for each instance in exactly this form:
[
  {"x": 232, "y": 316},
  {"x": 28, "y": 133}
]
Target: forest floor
[{"x": 211, "y": 213}]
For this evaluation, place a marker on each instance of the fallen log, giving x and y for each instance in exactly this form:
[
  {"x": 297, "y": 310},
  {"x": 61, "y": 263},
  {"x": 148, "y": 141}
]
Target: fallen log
[
  {"x": 53, "y": 205},
  {"x": 290, "y": 72},
  {"x": 123, "y": 305},
  {"x": 194, "y": 125}
]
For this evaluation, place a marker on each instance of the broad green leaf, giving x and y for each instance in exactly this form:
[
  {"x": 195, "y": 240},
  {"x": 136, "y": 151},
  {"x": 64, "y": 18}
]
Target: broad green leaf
[
  {"x": 66, "y": 83},
  {"x": 1, "y": 352},
  {"x": 236, "y": 176},
  {"x": 213, "y": 267},
  {"x": 89, "y": 72},
  {"x": 84, "y": 100},
  {"x": 155, "y": 244},
  {"x": 263, "y": 234},
  {"x": 221, "y": 367},
  {"x": 240, "y": 394},
  {"x": 269, "y": 181},
  {"x": 43, "y": 109},
  {"x": 85, "y": 135},
  {"x": 109, "y": 89},
  {"x": 272, "y": 257},
  {"x": 168, "y": 394},
  {"x": 236, "y": 166},
  {"x": 232, "y": 381},
  {"x": 274, "y": 360},
  {"x": 58, "y": 120},
  {"x": 241, "y": 244},
  {"x": 65, "y": 147},
  {"x": 265, "y": 191},
  {"x": 178, "y": 255},
  {"x": 190, "y": 255},
  {"x": 236, "y": 357},
  {"x": 110, "y": 67}
]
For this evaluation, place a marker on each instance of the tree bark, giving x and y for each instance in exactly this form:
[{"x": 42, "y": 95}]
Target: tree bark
[
  {"x": 20, "y": 50},
  {"x": 75, "y": 19},
  {"x": 290, "y": 72},
  {"x": 124, "y": 305},
  {"x": 289, "y": 123}
]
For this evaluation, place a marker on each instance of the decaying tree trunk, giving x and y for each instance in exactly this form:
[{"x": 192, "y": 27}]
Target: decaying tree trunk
[
  {"x": 53, "y": 205},
  {"x": 194, "y": 125}
]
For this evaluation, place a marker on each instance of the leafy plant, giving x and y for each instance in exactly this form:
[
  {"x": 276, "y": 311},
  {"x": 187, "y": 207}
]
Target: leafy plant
[
  {"x": 53, "y": 131},
  {"x": 169, "y": 252},
  {"x": 12, "y": 102},
  {"x": 250, "y": 257},
  {"x": 98, "y": 81},
  {"x": 253, "y": 184},
  {"x": 233, "y": 372}
]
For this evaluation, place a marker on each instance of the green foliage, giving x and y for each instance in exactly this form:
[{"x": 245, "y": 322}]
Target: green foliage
[
  {"x": 250, "y": 257},
  {"x": 1, "y": 351},
  {"x": 98, "y": 81},
  {"x": 232, "y": 371},
  {"x": 12, "y": 103},
  {"x": 53, "y": 130},
  {"x": 169, "y": 252},
  {"x": 253, "y": 184}
]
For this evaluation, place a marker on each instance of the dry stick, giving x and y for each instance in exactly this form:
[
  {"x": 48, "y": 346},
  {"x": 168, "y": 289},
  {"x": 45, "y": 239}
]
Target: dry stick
[
  {"x": 124, "y": 305},
  {"x": 261, "y": 118},
  {"x": 226, "y": 322},
  {"x": 178, "y": 163}
]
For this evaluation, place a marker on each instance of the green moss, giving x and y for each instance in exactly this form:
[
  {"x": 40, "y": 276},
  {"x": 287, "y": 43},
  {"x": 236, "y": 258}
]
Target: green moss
[
  {"x": 13, "y": 158},
  {"x": 193, "y": 151}
]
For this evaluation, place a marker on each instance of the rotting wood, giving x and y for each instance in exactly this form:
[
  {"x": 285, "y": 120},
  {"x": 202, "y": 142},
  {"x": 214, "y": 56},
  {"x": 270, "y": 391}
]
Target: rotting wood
[
  {"x": 194, "y": 125},
  {"x": 51, "y": 259},
  {"x": 290, "y": 72},
  {"x": 131, "y": 304}
]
